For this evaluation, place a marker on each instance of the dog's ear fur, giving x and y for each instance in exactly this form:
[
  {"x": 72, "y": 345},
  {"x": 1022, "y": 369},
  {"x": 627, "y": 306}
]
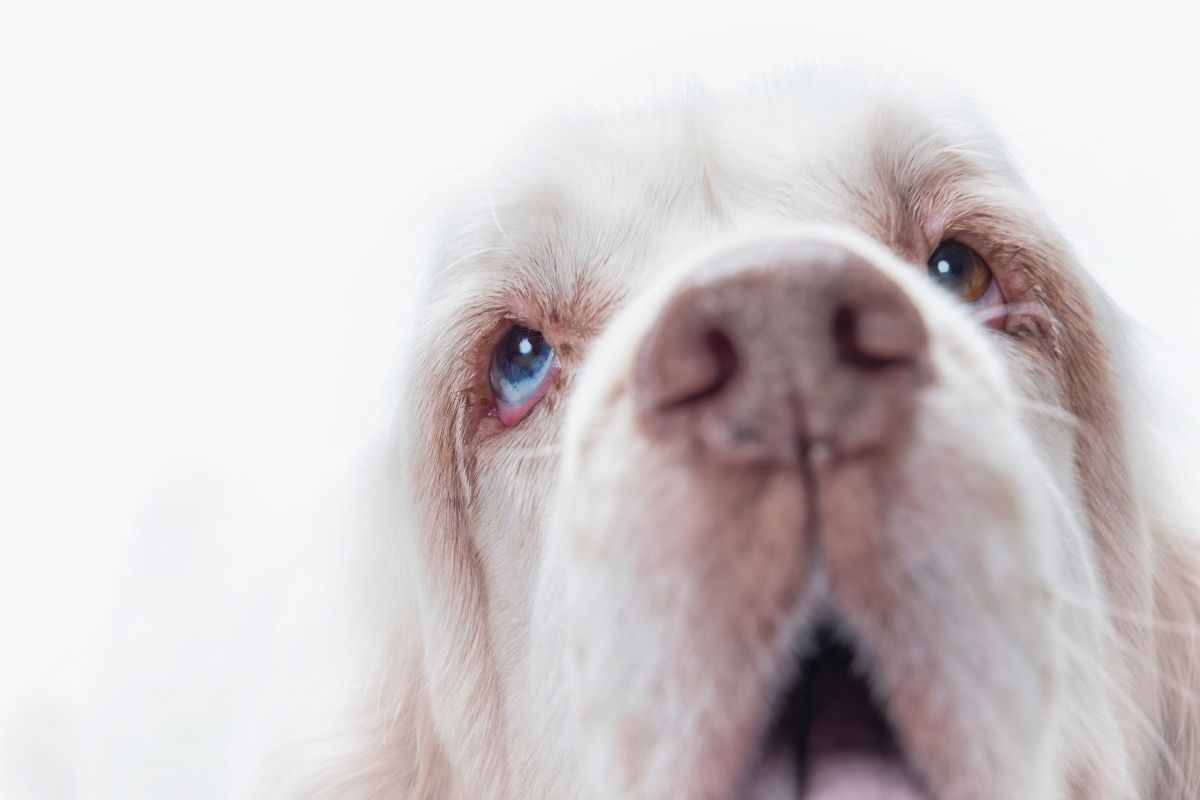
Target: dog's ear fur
[
  {"x": 1160, "y": 473},
  {"x": 416, "y": 569},
  {"x": 382, "y": 741},
  {"x": 388, "y": 749},
  {"x": 1178, "y": 620}
]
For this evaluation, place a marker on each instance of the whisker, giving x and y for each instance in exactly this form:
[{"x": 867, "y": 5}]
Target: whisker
[
  {"x": 1190, "y": 693},
  {"x": 1149, "y": 622},
  {"x": 496, "y": 219},
  {"x": 1170, "y": 759},
  {"x": 1051, "y": 410},
  {"x": 1033, "y": 309},
  {"x": 468, "y": 257},
  {"x": 538, "y": 452}
]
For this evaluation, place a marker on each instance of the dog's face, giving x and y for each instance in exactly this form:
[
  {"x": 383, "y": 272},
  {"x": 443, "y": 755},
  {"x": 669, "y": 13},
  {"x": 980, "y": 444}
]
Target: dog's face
[{"x": 771, "y": 447}]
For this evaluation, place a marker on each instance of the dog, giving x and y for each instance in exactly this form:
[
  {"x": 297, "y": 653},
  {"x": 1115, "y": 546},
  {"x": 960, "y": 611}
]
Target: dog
[{"x": 765, "y": 446}]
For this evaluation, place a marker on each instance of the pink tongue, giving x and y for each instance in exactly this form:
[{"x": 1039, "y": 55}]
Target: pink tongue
[{"x": 859, "y": 776}]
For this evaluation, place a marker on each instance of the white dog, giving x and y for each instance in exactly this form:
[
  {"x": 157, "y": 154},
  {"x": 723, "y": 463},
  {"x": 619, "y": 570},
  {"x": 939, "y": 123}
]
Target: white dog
[{"x": 773, "y": 446}]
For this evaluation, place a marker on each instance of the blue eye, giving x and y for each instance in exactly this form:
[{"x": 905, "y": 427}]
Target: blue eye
[{"x": 522, "y": 368}]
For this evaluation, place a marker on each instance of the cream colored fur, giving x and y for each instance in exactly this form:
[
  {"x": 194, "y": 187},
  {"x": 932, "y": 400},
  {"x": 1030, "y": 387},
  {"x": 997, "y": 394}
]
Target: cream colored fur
[{"x": 558, "y": 608}]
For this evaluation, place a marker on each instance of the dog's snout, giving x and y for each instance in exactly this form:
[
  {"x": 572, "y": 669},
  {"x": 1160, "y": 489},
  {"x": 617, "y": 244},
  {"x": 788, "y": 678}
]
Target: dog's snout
[{"x": 781, "y": 345}]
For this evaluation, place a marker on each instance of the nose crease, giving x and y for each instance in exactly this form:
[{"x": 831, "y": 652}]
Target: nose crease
[{"x": 779, "y": 343}]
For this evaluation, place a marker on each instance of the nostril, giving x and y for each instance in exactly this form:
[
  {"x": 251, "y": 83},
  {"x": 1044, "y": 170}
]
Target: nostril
[
  {"x": 724, "y": 361},
  {"x": 848, "y": 345},
  {"x": 782, "y": 343},
  {"x": 870, "y": 341},
  {"x": 698, "y": 371}
]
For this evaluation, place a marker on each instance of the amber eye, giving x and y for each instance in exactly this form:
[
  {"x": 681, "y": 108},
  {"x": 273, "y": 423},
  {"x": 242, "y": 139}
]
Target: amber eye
[{"x": 960, "y": 270}]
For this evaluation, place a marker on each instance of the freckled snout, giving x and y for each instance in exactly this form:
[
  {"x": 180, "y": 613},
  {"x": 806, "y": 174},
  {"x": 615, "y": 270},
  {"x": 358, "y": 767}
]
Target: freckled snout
[{"x": 774, "y": 347}]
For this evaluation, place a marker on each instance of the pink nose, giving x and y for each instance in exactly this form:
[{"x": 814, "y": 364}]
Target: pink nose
[{"x": 779, "y": 346}]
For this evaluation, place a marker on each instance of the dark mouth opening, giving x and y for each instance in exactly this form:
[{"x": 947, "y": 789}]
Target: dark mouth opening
[
  {"x": 830, "y": 737},
  {"x": 828, "y": 708}
]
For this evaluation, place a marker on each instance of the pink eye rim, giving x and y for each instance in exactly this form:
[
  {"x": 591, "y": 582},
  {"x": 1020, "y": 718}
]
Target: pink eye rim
[
  {"x": 990, "y": 309},
  {"x": 510, "y": 415}
]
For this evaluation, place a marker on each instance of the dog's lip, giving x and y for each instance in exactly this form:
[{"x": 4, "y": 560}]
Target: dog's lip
[{"x": 830, "y": 737}]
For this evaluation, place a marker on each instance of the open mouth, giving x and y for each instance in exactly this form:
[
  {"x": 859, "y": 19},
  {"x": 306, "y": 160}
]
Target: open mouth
[{"x": 830, "y": 739}]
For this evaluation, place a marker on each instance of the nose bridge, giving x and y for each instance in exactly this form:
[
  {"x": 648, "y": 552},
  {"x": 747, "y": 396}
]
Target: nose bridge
[{"x": 779, "y": 344}]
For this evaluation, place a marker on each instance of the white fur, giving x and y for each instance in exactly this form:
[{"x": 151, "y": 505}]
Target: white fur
[{"x": 547, "y": 616}]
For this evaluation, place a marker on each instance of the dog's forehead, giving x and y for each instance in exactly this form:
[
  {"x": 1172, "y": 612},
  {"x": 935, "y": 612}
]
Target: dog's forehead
[{"x": 596, "y": 202}]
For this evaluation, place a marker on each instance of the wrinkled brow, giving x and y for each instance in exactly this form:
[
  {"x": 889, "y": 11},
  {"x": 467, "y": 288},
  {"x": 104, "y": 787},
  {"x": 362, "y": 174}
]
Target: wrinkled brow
[{"x": 938, "y": 187}]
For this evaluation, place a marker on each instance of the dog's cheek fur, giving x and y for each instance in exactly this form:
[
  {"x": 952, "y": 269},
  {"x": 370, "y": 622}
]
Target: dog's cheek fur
[
  {"x": 690, "y": 566},
  {"x": 941, "y": 559}
]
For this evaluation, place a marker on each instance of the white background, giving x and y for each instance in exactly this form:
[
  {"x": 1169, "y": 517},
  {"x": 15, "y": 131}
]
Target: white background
[{"x": 208, "y": 215}]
